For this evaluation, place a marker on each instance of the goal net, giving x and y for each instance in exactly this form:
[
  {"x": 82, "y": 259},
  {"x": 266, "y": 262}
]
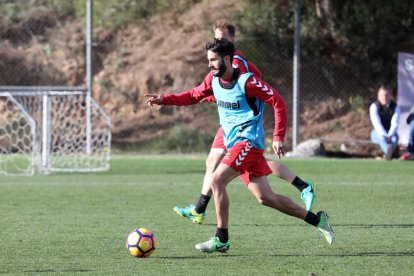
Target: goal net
[{"x": 52, "y": 131}]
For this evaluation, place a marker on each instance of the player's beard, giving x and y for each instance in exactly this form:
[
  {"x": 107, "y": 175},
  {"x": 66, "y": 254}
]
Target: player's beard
[{"x": 221, "y": 70}]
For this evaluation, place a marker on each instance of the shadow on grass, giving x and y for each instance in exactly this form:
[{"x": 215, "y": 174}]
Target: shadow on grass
[
  {"x": 355, "y": 254},
  {"x": 356, "y": 225},
  {"x": 51, "y": 271},
  {"x": 202, "y": 256},
  {"x": 376, "y": 225}
]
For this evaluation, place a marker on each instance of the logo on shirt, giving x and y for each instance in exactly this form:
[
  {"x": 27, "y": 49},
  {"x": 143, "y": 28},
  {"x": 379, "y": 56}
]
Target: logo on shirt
[
  {"x": 227, "y": 156},
  {"x": 228, "y": 105},
  {"x": 262, "y": 86}
]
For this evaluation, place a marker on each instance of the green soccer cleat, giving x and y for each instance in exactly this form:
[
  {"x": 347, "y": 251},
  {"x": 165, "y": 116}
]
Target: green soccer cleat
[
  {"x": 213, "y": 245},
  {"x": 324, "y": 227},
  {"x": 308, "y": 196},
  {"x": 190, "y": 213}
]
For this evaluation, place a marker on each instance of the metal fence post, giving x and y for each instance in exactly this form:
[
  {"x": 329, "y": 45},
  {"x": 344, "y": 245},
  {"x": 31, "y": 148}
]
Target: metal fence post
[
  {"x": 89, "y": 22},
  {"x": 296, "y": 77}
]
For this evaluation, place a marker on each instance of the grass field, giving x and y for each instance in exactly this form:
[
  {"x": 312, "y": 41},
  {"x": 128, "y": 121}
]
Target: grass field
[{"x": 77, "y": 223}]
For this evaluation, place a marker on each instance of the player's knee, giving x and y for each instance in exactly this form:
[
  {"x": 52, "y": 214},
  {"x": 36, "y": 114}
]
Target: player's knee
[
  {"x": 217, "y": 182},
  {"x": 274, "y": 166},
  {"x": 211, "y": 163},
  {"x": 209, "y": 166},
  {"x": 215, "y": 187},
  {"x": 214, "y": 182},
  {"x": 263, "y": 199}
]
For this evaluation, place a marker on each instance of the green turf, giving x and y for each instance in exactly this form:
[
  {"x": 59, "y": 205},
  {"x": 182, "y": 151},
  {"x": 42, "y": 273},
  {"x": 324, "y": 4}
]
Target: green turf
[{"x": 77, "y": 223}]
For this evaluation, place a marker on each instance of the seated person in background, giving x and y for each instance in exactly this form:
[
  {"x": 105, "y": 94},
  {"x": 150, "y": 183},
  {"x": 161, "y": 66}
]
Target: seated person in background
[
  {"x": 385, "y": 116},
  {"x": 410, "y": 150}
]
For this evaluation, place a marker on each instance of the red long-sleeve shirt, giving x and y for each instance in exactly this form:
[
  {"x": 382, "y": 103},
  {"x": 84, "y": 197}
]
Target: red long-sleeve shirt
[{"x": 255, "y": 88}]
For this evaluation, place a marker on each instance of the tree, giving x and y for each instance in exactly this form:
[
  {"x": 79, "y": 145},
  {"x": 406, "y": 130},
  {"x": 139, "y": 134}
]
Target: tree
[{"x": 364, "y": 34}]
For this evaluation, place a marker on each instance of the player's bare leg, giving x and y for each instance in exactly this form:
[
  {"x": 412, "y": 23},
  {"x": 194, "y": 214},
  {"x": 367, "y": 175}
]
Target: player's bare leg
[
  {"x": 196, "y": 213},
  {"x": 219, "y": 180},
  {"x": 281, "y": 170},
  {"x": 307, "y": 189},
  {"x": 212, "y": 162},
  {"x": 265, "y": 196},
  {"x": 221, "y": 177}
]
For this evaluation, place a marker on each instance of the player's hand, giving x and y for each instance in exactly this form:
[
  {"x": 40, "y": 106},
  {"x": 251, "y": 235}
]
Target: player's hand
[
  {"x": 153, "y": 99},
  {"x": 278, "y": 148}
]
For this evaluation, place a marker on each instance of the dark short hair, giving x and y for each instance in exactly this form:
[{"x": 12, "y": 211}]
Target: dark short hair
[
  {"x": 222, "y": 47},
  {"x": 386, "y": 87}
]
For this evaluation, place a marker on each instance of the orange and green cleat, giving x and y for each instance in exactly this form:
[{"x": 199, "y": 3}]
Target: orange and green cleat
[{"x": 190, "y": 213}]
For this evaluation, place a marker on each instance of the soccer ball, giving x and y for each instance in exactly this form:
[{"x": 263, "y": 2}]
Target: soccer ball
[{"x": 141, "y": 242}]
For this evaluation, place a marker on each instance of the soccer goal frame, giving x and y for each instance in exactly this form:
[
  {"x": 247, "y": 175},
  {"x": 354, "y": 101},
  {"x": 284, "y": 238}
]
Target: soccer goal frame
[{"x": 52, "y": 129}]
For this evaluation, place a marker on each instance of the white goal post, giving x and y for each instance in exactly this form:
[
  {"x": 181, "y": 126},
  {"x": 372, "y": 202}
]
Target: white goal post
[{"x": 47, "y": 129}]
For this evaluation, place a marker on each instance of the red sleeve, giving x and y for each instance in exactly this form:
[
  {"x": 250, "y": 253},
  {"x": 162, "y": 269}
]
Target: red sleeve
[
  {"x": 209, "y": 99},
  {"x": 256, "y": 88},
  {"x": 192, "y": 96},
  {"x": 239, "y": 53}
]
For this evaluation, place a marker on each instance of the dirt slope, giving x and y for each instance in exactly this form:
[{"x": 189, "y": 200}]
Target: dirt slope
[{"x": 158, "y": 58}]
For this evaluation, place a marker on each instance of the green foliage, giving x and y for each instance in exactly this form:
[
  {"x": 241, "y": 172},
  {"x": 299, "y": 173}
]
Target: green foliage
[
  {"x": 337, "y": 126},
  {"x": 63, "y": 8},
  {"x": 268, "y": 20},
  {"x": 77, "y": 223},
  {"x": 106, "y": 85},
  {"x": 357, "y": 103},
  {"x": 181, "y": 139},
  {"x": 365, "y": 35},
  {"x": 18, "y": 10},
  {"x": 115, "y": 13},
  {"x": 375, "y": 35},
  {"x": 110, "y": 13},
  {"x": 10, "y": 12}
]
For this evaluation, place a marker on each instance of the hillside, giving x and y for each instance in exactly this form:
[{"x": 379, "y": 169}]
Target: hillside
[{"x": 159, "y": 58}]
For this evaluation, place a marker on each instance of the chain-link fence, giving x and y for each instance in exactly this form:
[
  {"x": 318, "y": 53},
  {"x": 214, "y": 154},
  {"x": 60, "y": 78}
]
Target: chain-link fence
[
  {"x": 42, "y": 43},
  {"x": 328, "y": 90}
]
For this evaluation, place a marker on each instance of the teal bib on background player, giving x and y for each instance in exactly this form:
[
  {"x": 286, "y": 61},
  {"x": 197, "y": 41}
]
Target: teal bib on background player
[
  {"x": 240, "y": 120},
  {"x": 243, "y": 60}
]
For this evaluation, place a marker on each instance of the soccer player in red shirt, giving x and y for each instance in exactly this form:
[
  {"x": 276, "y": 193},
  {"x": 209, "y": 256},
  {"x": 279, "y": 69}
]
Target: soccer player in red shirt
[
  {"x": 240, "y": 99},
  {"x": 196, "y": 213}
]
